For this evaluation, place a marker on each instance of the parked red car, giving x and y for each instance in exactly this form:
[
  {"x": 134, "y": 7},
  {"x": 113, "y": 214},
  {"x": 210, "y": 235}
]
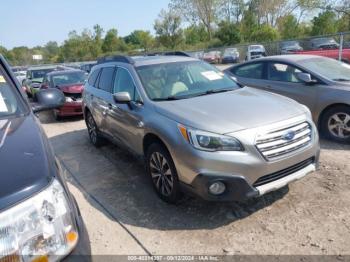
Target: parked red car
[
  {"x": 71, "y": 83},
  {"x": 331, "y": 53}
]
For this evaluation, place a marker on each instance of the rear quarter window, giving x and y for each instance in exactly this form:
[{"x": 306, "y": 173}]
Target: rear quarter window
[
  {"x": 254, "y": 70},
  {"x": 93, "y": 77}
]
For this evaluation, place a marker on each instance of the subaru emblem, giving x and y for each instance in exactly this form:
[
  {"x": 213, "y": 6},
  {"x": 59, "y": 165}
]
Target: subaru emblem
[{"x": 289, "y": 135}]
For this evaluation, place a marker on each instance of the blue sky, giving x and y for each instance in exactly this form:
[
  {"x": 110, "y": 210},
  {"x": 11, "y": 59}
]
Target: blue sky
[{"x": 35, "y": 22}]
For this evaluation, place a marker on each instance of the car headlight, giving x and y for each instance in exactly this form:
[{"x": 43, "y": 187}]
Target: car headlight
[
  {"x": 307, "y": 111},
  {"x": 39, "y": 229},
  {"x": 209, "y": 141},
  {"x": 69, "y": 99}
]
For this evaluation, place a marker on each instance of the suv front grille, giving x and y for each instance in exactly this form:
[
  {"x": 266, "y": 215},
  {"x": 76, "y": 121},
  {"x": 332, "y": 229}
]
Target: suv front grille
[
  {"x": 284, "y": 141},
  {"x": 283, "y": 173}
]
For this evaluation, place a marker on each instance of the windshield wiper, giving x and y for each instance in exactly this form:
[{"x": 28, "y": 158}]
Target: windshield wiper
[
  {"x": 169, "y": 98},
  {"x": 215, "y": 91},
  {"x": 341, "y": 79}
]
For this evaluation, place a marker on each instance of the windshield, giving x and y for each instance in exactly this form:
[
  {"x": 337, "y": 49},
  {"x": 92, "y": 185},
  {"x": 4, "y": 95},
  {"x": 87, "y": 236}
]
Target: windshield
[
  {"x": 183, "y": 80},
  {"x": 230, "y": 51},
  {"x": 40, "y": 73},
  {"x": 69, "y": 78},
  {"x": 9, "y": 102},
  {"x": 290, "y": 43},
  {"x": 328, "y": 68}
]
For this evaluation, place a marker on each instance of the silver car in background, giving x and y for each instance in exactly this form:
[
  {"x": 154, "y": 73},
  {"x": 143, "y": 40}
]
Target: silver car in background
[
  {"x": 322, "y": 84},
  {"x": 197, "y": 130}
]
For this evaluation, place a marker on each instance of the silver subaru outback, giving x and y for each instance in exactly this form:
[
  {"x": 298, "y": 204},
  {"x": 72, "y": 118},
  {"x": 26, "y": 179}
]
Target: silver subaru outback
[{"x": 198, "y": 131}]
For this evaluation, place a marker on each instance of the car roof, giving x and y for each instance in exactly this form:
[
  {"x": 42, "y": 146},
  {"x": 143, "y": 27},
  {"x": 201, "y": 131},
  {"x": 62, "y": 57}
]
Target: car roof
[
  {"x": 287, "y": 58},
  {"x": 137, "y": 61},
  {"x": 63, "y": 72},
  {"x": 41, "y": 67}
]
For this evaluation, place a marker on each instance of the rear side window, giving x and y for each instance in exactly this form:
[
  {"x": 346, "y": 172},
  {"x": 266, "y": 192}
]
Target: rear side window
[
  {"x": 250, "y": 71},
  {"x": 93, "y": 77},
  {"x": 106, "y": 79}
]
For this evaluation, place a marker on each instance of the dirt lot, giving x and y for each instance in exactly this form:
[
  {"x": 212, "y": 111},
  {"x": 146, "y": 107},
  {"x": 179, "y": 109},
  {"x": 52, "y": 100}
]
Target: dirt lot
[{"x": 124, "y": 216}]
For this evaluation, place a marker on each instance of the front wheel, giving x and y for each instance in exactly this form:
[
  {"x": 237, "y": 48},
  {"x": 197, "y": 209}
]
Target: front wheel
[
  {"x": 161, "y": 169},
  {"x": 335, "y": 124}
]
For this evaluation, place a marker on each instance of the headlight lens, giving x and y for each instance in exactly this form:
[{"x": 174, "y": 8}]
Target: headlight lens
[
  {"x": 69, "y": 99},
  {"x": 40, "y": 227},
  {"x": 209, "y": 141}
]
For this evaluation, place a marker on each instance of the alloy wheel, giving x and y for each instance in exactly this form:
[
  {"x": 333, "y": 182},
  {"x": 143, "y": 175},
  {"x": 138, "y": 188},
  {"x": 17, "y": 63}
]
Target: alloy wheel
[
  {"x": 339, "y": 125},
  {"x": 92, "y": 129},
  {"x": 162, "y": 176}
]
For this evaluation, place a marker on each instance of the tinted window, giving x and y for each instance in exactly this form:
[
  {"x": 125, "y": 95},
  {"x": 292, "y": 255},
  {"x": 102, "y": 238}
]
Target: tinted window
[
  {"x": 124, "y": 83},
  {"x": 282, "y": 72},
  {"x": 250, "y": 71},
  {"x": 93, "y": 77},
  {"x": 106, "y": 79}
]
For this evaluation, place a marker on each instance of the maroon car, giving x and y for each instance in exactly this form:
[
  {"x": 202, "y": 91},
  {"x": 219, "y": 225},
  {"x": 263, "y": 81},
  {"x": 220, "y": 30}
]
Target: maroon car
[{"x": 71, "y": 83}]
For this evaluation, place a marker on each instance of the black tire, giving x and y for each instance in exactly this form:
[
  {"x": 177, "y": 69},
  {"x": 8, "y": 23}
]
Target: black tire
[
  {"x": 329, "y": 120},
  {"x": 166, "y": 180},
  {"x": 95, "y": 137}
]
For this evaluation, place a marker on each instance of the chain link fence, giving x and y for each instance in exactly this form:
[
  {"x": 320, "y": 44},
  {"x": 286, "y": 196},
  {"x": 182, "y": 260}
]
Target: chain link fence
[{"x": 335, "y": 46}]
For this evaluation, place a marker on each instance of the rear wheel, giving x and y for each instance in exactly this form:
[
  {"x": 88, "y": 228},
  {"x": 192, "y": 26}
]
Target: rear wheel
[
  {"x": 161, "y": 169},
  {"x": 96, "y": 139},
  {"x": 335, "y": 124}
]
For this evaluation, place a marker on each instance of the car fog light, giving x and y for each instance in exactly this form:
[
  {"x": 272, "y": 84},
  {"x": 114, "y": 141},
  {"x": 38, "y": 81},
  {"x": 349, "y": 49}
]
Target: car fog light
[{"x": 217, "y": 188}]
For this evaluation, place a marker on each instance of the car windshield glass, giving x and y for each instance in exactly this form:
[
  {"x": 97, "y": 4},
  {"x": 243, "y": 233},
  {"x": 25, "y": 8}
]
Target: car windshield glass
[
  {"x": 40, "y": 73},
  {"x": 183, "y": 80},
  {"x": 69, "y": 78},
  {"x": 328, "y": 68},
  {"x": 9, "y": 101}
]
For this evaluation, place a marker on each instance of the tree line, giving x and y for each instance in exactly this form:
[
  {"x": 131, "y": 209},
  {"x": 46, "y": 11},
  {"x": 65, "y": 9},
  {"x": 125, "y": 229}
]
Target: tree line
[{"x": 199, "y": 24}]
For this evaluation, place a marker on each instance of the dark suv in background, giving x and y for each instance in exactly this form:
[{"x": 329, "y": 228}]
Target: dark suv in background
[{"x": 39, "y": 217}]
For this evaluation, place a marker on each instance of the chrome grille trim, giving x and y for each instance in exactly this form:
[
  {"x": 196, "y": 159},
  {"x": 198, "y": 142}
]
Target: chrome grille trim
[{"x": 273, "y": 145}]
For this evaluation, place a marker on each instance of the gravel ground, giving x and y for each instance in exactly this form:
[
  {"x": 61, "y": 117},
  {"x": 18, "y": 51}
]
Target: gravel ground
[{"x": 124, "y": 216}]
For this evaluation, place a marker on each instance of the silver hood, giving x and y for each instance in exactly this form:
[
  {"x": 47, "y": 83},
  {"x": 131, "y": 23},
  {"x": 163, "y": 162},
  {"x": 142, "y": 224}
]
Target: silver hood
[{"x": 232, "y": 111}]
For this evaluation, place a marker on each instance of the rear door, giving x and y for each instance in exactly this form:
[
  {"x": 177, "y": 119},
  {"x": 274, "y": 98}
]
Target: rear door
[{"x": 102, "y": 97}]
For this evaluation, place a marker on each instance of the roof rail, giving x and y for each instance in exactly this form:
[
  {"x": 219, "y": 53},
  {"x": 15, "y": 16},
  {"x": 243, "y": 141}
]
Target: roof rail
[
  {"x": 176, "y": 53},
  {"x": 116, "y": 58}
]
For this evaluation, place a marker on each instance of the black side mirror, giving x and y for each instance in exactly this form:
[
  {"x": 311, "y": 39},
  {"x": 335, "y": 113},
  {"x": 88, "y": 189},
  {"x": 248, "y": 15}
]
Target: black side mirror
[
  {"x": 122, "y": 98},
  {"x": 48, "y": 99}
]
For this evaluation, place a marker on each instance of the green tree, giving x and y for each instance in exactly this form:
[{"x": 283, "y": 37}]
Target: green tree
[
  {"x": 195, "y": 34},
  {"x": 140, "y": 39},
  {"x": 324, "y": 23},
  {"x": 205, "y": 12},
  {"x": 265, "y": 33},
  {"x": 288, "y": 27},
  {"x": 168, "y": 29},
  {"x": 111, "y": 41},
  {"x": 249, "y": 25},
  {"x": 228, "y": 33}
]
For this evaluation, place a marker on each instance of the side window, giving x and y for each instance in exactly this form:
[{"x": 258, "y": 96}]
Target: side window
[
  {"x": 254, "y": 70},
  {"x": 93, "y": 77},
  {"x": 124, "y": 83},
  {"x": 282, "y": 72},
  {"x": 106, "y": 79}
]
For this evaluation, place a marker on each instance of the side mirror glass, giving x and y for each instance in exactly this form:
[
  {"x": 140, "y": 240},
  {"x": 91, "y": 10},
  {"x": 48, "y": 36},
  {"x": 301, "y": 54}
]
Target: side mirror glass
[
  {"x": 48, "y": 99},
  {"x": 304, "y": 77},
  {"x": 122, "y": 97}
]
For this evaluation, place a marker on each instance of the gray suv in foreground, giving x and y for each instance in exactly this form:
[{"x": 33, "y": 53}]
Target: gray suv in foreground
[{"x": 198, "y": 131}]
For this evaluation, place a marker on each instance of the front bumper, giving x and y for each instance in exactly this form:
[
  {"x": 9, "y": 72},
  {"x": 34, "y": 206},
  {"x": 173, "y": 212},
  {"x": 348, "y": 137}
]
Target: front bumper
[
  {"x": 70, "y": 109},
  {"x": 240, "y": 171}
]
